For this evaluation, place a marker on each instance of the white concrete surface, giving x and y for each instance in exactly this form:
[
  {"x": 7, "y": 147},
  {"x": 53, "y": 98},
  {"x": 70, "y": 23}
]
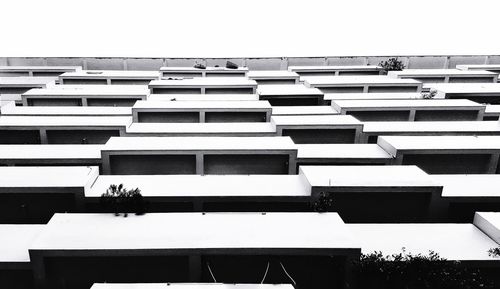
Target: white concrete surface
[
  {"x": 90, "y": 90},
  {"x": 64, "y": 121},
  {"x": 305, "y": 120},
  {"x": 395, "y": 144},
  {"x": 202, "y": 128},
  {"x": 380, "y": 104},
  {"x": 38, "y": 68},
  {"x": 272, "y": 74},
  {"x": 15, "y": 241},
  {"x": 42, "y": 177},
  {"x": 203, "y": 97},
  {"x": 152, "y": 105},
  {"x": 66, "y": 111},
  {"x": 110, "y": 74},
  {"x": 313, "y": 81},
  {"x": 333, "y": 68},
  {"x": 195, "y": 231},
  {"x": 42, "y": 81},
  {"x": 341, "y": 151},
  {"x": 374, "y": 95},
  {"x": 287, "y": 89},
  {"x": 199, "y": 143},
  {"x": 206, "y": 186},
  {"x": 430, "y": 127},
  {"x": 465, "y": 88},
  {"x": 50, "y": 152},
  {"x": 303, "y": 110},
  {"x": 409, "y": 73},
  {"x": 188, "y": 286},
  {"x": 489, "y": 67},
  {"x": 204, "y": 82},
  {"x": 489, "y": 223},
  {"x": 469, "y": 186},
  {"x": 366, "y": 176}
]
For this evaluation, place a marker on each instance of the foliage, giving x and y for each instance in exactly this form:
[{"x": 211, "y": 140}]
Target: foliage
[
  {"x": 199, "y": 65},
  {"x": 392, "y": 64},
  {"x": 120, "y": 200},
  {"x": 429, "y": 95},
  {"x": 408, "y": 271},
  {"x": 324, "y": 203},
  {"x": 494, "y": 252}
]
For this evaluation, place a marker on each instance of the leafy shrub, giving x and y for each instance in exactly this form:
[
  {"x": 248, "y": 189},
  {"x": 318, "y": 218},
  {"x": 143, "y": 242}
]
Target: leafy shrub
[
  {"x": 408, "y": 271},
  {"x": 429, "y": 95},
  {"x": 392, "y": 64},
  {"x": 120, "y": 200},
  {"x": 494, "y": 252},
  {"x": 324, "y": 203}
]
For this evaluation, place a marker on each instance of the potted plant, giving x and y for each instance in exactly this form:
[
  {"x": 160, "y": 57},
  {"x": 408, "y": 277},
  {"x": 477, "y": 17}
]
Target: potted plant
[
  {"x": 323, "y": 203},
  {"x": 120, "y": 200},
  {"x": 494, "y": 252},
  {"x": 429, "y": 95},
  {"x": 391, "y": 64}
]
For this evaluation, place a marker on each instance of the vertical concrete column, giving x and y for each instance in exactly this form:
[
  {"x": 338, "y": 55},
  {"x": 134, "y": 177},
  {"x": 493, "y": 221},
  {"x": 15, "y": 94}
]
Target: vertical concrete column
[
  {"x": 38, "y": 268},
  {"x": 358, "y": 135},
  {"x": 398, "y": 160},
  {"x": 480, "y": 114},
  {"x": 106, "y": 169},
  {"x": 407, "y": 62},
  {"x": 43, "y": 136},
  {"x": 492, "y": 167},
  {"x": 363, "y": 137},
  {"x": 292, "y": 163},
  {"x": 195, "y": 268},
  {"x": 349, "y": 278},
  {"x": 200, "y": 166},
  {"x": 80, "y": 202},
  {"x": 438, "y": 207},
  {"x": 284, "y": 63},
  {"x": 412, "y": 115},
  {"x": 279, "y": 131},
  {"x": 202, "y": 116},
  {"x": 447, "y": 63}
]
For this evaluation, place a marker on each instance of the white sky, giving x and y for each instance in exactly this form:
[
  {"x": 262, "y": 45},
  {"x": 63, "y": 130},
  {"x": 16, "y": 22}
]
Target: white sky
[{"x": 232, "y": 28}]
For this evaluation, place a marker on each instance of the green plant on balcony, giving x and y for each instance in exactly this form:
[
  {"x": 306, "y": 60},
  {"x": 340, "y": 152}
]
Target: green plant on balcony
[
  {"x": 429, "y": 95},
  {"x": 391, "y": 64},
  {"x": 409, "y": 271},
  {"x": 120, "y": 200},
  {"x": 323, "y": 203},
  {"x": 494, "y": 252}
]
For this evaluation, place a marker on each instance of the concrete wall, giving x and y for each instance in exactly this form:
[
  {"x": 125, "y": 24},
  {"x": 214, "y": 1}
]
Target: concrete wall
[{"x": 258, "y": 63}]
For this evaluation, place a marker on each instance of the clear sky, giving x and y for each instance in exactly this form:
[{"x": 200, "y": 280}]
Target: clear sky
[{"x": 233, "y": 28}]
